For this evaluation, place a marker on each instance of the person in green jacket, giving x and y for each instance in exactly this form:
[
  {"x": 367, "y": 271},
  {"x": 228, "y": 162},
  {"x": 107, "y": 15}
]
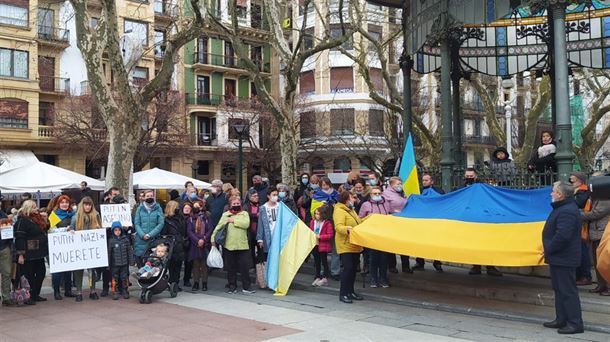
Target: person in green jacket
[
  {"x": 149, "y": 221},
  {"x": 236, "y": 246}
]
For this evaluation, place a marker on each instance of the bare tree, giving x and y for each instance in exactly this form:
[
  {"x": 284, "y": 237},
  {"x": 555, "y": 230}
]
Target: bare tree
[
  {"x": 121, "y": 105},
  {"x": 289, "y": 45}
]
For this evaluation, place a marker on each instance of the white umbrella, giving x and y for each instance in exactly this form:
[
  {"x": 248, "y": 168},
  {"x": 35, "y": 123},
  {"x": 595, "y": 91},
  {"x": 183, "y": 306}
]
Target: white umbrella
[
  {"x": 161, "y": 179},
  {"x": 43, "y": 177}
]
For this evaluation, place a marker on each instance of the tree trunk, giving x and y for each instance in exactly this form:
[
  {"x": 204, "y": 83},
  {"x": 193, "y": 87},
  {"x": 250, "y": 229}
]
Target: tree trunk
[
  {"x": 123, "y": 141},
  {"x": 289, "y": 148}
]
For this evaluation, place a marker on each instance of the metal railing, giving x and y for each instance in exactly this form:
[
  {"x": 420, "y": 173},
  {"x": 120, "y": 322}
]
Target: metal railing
[
  {"x": 53, "y": 34},
  {"x": 165, "y": 8},
  {"x": 206, "y": 139},
  {"x": 226, "y": 61},
  {"x": 478, "y": 139},
  {"x": 54, "y": 84}
]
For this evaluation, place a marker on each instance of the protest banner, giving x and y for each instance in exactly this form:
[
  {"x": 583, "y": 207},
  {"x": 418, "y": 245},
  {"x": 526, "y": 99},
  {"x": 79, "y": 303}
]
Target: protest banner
[
  {"x": 6, "y": 233},
  {"x": 115, "y": 212},
  {"x": 77, "y": 250}
]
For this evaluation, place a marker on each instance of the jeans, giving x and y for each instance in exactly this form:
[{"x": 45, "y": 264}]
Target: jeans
[
  {"x": 335, "y": 262},
  {"x": 62, "y": 277},
  {"x": 238, "y": 260},
  {"x": 379, "y": 267},
  {"x": 6, "y": 264},
  {"x": 321, "y": 260},
  {"x": 34, "y": 271},
  {"x": 584, "y": 270},
  {"x": 348, "y": 274}
]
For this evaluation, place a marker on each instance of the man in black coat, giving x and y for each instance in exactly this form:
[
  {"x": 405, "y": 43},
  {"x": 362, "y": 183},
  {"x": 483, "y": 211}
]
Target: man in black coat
[{"x": 561, "y": 242}]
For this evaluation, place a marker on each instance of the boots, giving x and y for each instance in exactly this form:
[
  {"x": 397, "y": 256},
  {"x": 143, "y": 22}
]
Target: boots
[{"x": 195, "y": 286}]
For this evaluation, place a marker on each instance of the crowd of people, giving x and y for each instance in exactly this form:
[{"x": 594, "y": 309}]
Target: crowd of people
[{"x": 194, "y": 217}]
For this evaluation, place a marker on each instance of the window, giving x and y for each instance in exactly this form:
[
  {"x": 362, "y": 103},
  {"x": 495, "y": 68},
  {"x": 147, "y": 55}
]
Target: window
[
  {"x": 242, "y": 9},
  {"x": 203, "y": 167},
  {"x": 46, "y": 113},
  {"x": 229, "y": 53},
  {"x": 202, "y": 50},
  {"x": 13, "y": 113},
  {"x": 255, "y": 15},
  {"x": 376, "y": 122},
  {"x": 256, "y": 55},
  {"x": 139, "y": 76},
  {"x": 14, "y": 14},
  {"x": 342, "y": 80},
  {"x": 342, "y": 164},
  {"x": 376, "y": 79},
  {"x": 230, "y": 91},
  {"x": 232, "y": 123},
  {"x": 13, "y": 63},
  {"x": 308, "y": 39},
  {"x": 376, "y": 33},
  {"x": 206, "y": 131},
  {"x": 336, "y": 31},
  {"x": 203, "y": 90},
  {"x": 307, "y": 83},
  {"x": 45, "y": 23},
  {"x": 159, "y": 43},
  {"x": 342, "y": 121},
  {"x": 138, "y": 30},
  {"x": 310, "y": 6},
  {"x": 307, "y": 124}
]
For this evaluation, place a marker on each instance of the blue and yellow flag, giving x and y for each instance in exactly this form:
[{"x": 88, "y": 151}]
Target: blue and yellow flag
[
  {"x": 480, "y": 225},
  {"x": 53, "y": 219},
  {"x": 408, "y": 169},
  {"x": 291, "y": 243}
]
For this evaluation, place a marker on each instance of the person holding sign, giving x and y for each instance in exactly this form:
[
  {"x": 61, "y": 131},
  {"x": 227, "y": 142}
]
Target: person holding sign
[
  {"x": 59, "y": 220},
  {"x": 31, "y": 247},
  {"x": 6, "y": 261},
  {"x": 86, "y": 218},
  {"x": 149, "y": 222}
]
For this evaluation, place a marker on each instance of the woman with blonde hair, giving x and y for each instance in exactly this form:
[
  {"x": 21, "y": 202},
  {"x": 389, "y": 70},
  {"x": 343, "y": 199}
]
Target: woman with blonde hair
[
  {"x": 31, "y": 248},
  {"x": 175, "y": 226},
  {"x": 86, "y": 218}
]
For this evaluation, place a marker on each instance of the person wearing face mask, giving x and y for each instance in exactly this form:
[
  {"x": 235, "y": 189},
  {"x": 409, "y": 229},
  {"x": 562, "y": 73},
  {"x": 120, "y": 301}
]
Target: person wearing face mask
[
  {"x": 60, "y": 220},
  {"x": 378, "y": 268},
  {"x": 236, "y": 249},
  {"x": 283, "y": 194},
  {"x": 149, "y": 221},
  {"x": 184, "y": 195},
  {"x": 326, "y": 195},
  {"x": 216, "y": 202},
  {"x": 374, "y": 180},
  {"x": 199, "y": 232},
  {"x": 345, "y": 219},
  {"x": 303, "y": 195},
  {"x": 175, "y": 226},
  {"x": 259, "y": 186},
  {"x": 396, "y": 199},
  {"x": 266, "y": 222},
  {"x": 252, "y": 206}
]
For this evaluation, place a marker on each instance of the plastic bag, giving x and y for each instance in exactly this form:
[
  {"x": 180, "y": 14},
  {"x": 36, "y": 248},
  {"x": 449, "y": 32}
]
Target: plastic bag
[{"x": 215, "y": 258}]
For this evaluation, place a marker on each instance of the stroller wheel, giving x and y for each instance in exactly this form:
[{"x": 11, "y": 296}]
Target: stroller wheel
[
  {"x": 148, "y": 297},
  {"x": 143, "y": 297}
]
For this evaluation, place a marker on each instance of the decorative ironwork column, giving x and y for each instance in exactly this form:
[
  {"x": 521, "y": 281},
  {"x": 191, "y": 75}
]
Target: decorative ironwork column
[
  {"x": 406, "y": 63},
  {"x": 563, "y": 125},
  {"x": 447, "y": 161},
  {"x": 456, "y": 75}
]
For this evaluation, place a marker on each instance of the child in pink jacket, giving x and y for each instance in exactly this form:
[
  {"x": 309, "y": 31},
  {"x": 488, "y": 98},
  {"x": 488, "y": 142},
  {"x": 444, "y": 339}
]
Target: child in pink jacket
[{"x": 323, "y": 228}]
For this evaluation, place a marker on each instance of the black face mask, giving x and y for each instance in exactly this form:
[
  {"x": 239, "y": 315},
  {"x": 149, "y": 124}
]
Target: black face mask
[
  {"x": 468, "y": 181},
  {"x": 236, "y": 208},
  {"x": 149, "y": 200},
  {"x": 196, "y": 210}
]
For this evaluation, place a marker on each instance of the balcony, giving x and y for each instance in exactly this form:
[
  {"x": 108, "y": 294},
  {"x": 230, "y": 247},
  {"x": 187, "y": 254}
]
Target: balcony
[
  {"x": 205, "y": 99},
  {"x": 53, "y": 36},
  {"x": 478, "y": 140},
  {"x": 46, "y": 131},
  {"x": 207, "y": 139},
  {"x": 54, "y": 85},
  {"x": 213, "y": 62},
  {"x": 164, "y": 9}
]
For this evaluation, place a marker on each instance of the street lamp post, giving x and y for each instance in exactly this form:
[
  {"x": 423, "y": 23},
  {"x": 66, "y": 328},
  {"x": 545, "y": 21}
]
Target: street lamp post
[{"x": 241, "y": 130}]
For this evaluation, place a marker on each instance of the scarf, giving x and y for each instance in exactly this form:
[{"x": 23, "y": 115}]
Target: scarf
[
  {"x": 62, "y": 214},
  {"x": 149, "y": 207}
]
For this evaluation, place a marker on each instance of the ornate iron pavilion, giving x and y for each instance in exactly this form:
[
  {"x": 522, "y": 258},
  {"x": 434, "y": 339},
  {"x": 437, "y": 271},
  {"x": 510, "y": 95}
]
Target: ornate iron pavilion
[{"x": 501, "y": 38}]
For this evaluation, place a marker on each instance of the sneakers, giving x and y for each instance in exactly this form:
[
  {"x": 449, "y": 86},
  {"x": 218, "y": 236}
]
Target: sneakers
[
  {"x": 232, "y": 290},
  {"x": 384, "y": 285},
  {"x": 247, "y": 291},
  {"x": 373, "y": 285},
  {"x": 323, "y": 282},
  {"x": 204, "y": 286},
  {"x": 315, "y": 282},
  {"x": 195, "y": 286}
]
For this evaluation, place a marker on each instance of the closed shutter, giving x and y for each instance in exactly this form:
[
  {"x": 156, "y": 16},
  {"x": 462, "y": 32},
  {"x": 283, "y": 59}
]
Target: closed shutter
[
  {"x": 376, "y": 122},
  {"x": 342, "y": 80},
  {"x": 307, "y": 83},
  {"x": 376, "y": 79},
  {"x": 307, "y": 124},
  {"x": 342, "y": 121}
]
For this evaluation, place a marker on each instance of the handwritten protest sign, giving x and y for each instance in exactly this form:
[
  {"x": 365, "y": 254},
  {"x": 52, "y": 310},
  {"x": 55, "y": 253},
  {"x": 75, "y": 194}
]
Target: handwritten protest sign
[
  {"x": 115, "y": 212},
  {"x": 69, "y": 251},
  {"x": 6, "y": 233}
]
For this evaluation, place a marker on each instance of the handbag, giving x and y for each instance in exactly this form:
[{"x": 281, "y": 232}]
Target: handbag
[
  {"x": 215, "y": 258},
  {"x": 221, "y": 235},
  {"x": 261, "y": 271},
  {"x": 21, "y": 294}
]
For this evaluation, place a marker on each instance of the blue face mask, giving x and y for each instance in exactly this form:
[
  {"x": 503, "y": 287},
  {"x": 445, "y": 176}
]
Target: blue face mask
[
  {"x": 193, "y": 196},
  {"x": 372, "y": 182},
  {"x": 376, "y": 198},
  {"x": 305, "y": 181},
  {"x": 350, "y": 205},
  {"x": 315, "y": 186},
  {"x": 281, "y": 194}
]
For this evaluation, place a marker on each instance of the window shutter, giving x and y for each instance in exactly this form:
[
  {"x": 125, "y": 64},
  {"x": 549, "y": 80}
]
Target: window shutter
[
  {"x": 307, "y": 83},
  {"x": 376, "y": 79},
  {"x": 342, "y": 80}
]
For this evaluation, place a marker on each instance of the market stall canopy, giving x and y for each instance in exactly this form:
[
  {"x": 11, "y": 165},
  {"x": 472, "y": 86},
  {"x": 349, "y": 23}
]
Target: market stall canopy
[
  {"x": 12, "y": 159},
  {"x": 43, "y": 177},
  {"x": 161, "y": 179}
]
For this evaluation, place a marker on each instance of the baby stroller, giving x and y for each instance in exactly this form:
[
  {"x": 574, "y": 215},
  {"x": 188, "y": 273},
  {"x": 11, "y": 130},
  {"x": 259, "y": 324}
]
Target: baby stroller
[{"x": 160, "y": 282}]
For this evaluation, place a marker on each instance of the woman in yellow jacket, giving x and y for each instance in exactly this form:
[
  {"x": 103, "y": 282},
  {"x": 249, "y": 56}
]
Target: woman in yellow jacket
[{"x": 345, "y": 219}]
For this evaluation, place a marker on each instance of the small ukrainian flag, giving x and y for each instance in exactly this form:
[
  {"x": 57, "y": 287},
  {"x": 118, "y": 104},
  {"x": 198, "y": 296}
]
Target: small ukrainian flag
[{"x": 408, "y": 169}]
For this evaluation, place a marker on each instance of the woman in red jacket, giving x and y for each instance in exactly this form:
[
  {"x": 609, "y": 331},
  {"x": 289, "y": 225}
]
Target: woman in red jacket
[{"x": 323, "y": 228}]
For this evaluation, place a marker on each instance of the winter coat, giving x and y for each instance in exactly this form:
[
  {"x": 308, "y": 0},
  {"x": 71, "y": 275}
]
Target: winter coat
[
  {"x": 146, "y": 222},
  {"x": 321, "y": 197},
  {"x": 434, "y": 188},
  {"x": 262, "y": 190},
  {"x": 253, "y": 212},
  {"x": 581, "y": 196},
  {"x": 119, "y": 251},
  {"x": 561, "y": 235},
  {"x": 30, "y": 239},
  {"x": 196, "y": 252},
  {"x": 237, "y": 232},
  {"x": 263, "y": 231},
  {"x": 304, "y": 204},
  {"x": 343, "y": 217},
  {"x": 325, "y": 244},
  {"x": 395, "y": 200},
  {"x": 176, "y": 227},
  {"x": 290, "y": 203},
  {"x": 372, "y": 207},
  {"x": 545, "y": 163},
  {"x": 502, "y": 169},
  {"x": 216, "y": 205},
  {"x": 597, "y": 218}
]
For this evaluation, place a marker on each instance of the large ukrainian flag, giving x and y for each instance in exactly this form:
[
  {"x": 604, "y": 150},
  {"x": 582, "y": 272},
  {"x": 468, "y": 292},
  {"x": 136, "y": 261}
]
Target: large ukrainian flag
[
  {"x": 291, "y": 243},
  {"x": 480, "y": 224},
  {"x": 408, "y": 169}
]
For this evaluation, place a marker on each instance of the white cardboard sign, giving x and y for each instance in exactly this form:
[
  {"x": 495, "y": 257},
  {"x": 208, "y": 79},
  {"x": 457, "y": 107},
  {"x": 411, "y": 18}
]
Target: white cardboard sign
[
  {"x": 115, "y": 212},
  {"x": 6, "y": 233},
  {"x": 78, "y": 250}
]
